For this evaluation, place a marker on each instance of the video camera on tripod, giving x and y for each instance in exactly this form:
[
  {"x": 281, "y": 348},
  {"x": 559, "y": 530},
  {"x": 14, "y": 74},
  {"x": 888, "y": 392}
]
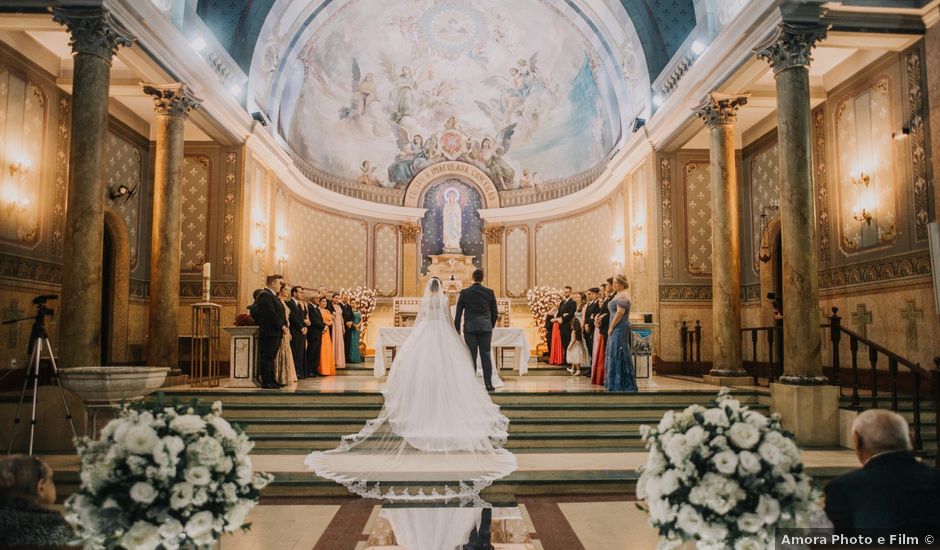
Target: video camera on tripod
[{"x": 38, "y": 341}]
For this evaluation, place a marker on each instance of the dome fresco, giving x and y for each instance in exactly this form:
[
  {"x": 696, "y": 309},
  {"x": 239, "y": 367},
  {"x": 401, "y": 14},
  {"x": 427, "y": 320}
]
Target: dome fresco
[{"x": 368, "y": 93}]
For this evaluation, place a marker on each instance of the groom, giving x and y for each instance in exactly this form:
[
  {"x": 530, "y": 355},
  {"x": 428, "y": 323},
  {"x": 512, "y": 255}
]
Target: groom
[{"x": 477, "y": 307}]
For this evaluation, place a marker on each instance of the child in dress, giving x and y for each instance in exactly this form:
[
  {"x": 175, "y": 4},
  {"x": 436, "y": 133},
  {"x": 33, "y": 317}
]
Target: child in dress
[{"x": 577, "y": 350}]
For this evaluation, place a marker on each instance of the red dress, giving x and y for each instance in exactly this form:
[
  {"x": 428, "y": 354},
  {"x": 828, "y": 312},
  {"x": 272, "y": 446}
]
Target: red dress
[
  {"x": 557, "y": 356},
  {"x": 597, "y": 369}
]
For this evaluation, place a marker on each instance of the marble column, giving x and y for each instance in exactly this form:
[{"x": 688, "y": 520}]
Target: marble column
[
  {"x": 788, "y": 52},
  {"x": 409, "y": 255},
  {"x": 719, "y": 111},
  {"x": 172, "y": 104},
  {"x": 493, "y": 234},
  {"x": 94, "y": 39}
]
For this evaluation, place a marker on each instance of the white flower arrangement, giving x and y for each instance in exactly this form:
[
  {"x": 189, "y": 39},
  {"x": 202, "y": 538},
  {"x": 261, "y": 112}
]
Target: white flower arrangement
[
  {"x": 365, "y": 298},
  {"x": 542, "y": 300},
  {"x": 724, "y": 477},
  {"x": 164, "y": 477}
]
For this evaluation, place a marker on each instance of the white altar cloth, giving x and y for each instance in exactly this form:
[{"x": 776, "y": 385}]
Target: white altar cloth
[{"x": 503, "y": 337}]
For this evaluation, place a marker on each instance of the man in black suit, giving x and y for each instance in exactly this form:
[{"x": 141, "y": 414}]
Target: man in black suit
[
  {"x": 892, "y": 492},
  {"x": 298, "y": 322},
  {"x": 314, "y": 334},
  {"x": 590, "y": 310},
  {"x": 348, "y": 321},
  {"x": 272, "y": 325},
  {"x": 566, "y": 310},
  {"x": 476, "y": 306}
]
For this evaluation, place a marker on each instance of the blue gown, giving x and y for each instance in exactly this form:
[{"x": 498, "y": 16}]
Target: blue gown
[
  {"x": 620, "y": 373},
  {"x": 354, "y": 356}
]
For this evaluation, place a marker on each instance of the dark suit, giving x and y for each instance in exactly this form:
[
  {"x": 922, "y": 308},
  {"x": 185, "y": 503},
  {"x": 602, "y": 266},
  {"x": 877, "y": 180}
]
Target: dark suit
[
  {"x": 297, "y": 338},
  {"x": 892, "y": 492},
  {"x": 268, "y": 312},
  {"x": 604, "y": 325},
  {"x": 347, "y": 330},
  {"x": 314, "y": 339},
  {"x": 566, "y": 311},
  {"x": 590, "y": 311},
  {"x": 476, "y": 306}
]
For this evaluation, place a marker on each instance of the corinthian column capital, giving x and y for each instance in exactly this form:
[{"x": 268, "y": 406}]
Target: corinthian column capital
[
  {"x": 494, "y": 233},
  {"x": 791, "y": 45},
  {"x": 720, "y": 109},
  {"x": 174, "y": 100},
  {"x": 93, "y": 31},
  {"x": 409, "y": 232}
]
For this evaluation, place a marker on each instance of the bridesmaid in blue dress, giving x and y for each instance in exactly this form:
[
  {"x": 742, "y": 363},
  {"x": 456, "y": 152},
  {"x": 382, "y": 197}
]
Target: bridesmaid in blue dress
[
  {"x": 620, "y": 373},
  {"x": 354, "y": 355}
]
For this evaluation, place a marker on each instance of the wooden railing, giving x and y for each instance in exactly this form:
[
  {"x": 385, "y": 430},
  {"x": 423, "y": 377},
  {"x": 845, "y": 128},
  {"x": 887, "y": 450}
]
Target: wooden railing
[
  {"x": 920, "y": 377},
  {"x": 691, "y": 345},
  {"x": 773, "y": 335}
]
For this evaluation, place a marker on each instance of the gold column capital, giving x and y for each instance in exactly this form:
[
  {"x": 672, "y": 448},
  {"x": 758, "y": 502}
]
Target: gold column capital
[
  {"x": 494, "y": 233},
  {"x": 409, "y": 232},
  {"x": 720, "y": 109},
  {"x": 175, "y": 99}
]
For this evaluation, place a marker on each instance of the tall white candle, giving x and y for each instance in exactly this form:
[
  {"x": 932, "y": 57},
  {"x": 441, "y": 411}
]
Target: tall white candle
[{"x": 206, "y": 270}]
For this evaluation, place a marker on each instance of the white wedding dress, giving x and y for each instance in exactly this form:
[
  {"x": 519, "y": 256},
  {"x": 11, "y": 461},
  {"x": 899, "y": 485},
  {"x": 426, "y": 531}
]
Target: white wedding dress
[{"x": 439, "y": 436}]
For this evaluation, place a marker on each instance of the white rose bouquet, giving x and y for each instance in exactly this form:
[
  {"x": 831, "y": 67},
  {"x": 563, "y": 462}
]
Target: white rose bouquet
[
  {"x": 542, "y": 300},
  {"x": 164, "y": 477},
  {"x": 723, "y": 476}
]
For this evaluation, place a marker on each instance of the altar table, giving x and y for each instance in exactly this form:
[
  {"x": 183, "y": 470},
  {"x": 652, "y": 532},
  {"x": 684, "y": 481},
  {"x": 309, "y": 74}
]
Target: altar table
[{"x": 503, "y": 337}]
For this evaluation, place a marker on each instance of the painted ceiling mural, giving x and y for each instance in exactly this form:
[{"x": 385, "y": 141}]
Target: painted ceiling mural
[{"x": 372, "y": 91}]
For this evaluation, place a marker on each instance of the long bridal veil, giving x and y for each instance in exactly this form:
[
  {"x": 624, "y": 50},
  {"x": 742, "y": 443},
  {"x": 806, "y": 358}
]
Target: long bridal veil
[{"x": 438, "y": 436}]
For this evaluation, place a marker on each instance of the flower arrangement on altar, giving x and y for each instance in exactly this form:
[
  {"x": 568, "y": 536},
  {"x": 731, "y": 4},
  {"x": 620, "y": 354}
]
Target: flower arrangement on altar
[
  {"x": 244, "y": 320},
  {"x": 542, "y": 300},
  {"x": 164, "y": 477},
  {"x": 724, "y": 477}
]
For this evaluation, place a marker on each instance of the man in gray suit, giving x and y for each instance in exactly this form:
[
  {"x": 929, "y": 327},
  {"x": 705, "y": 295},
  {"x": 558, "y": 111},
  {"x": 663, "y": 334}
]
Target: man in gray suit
[{"x": 477, "y": 308}]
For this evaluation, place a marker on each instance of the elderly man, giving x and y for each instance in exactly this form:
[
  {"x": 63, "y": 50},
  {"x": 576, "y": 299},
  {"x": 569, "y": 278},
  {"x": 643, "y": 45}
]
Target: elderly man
[{"x": 892, "y": 491}]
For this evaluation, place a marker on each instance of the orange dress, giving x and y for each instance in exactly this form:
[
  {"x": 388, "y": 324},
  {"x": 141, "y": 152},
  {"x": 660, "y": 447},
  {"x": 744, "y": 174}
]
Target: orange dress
[{"x": 327, "y": 364}]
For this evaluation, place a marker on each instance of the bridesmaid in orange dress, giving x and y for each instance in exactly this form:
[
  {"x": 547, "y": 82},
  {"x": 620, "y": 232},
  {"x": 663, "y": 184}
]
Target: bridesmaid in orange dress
[{"x": 327, "y": 366}]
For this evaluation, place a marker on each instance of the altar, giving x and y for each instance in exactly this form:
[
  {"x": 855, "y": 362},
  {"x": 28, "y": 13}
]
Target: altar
[{"x": 503, "y": 337}]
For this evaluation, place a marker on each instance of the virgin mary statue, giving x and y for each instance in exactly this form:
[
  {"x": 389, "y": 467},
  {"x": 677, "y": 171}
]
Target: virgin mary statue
[{"x": 452, "y": 222}]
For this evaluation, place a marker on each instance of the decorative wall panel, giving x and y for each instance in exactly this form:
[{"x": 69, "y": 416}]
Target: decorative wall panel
[
  {"x": 517, "y": 261},
  {"x": 228, "y": 215},
  {"x": 668, "y": 225},
  {"x": 821, "y": 181},
  {"x": 575, "y": 251},
  {"x": 386, "y": 259},
  {"x": 698, "y": 212},
  {"x": 765, "y": 191},
  {"x": 22, "y": 125},
  {"x": 194, "y": 221},
  {"x": 864, "y": 124},
  {"x": 326, "y": 249},
  {"x": 123, "y": 166},
  {"x": 915, "y": 100},
  {"x": 63, "y": 140}
]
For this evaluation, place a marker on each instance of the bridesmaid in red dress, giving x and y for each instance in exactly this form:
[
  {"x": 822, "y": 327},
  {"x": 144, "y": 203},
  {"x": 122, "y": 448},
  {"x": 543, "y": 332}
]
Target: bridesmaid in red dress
[
  {"x": 557, "y": 355},
  {"x": 600, "y": 344}
]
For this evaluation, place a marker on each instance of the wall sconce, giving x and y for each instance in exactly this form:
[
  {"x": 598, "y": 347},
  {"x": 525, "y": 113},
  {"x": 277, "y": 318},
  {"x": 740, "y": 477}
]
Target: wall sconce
[
  {"x": 863, "y": 216},
  {"x": 20, "y": 167},
  {"x": 861, "y": 179},
  {"x": 259, "y": 240},
  {"x": 637, "y": 239},
  {"x": 616, "y": 237},
  {"x": 637, "y": 252}
]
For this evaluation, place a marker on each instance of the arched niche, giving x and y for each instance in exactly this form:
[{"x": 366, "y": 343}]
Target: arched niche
[
  {"x": 120, "y": 285},
  {"x": 461, "y": 171}
]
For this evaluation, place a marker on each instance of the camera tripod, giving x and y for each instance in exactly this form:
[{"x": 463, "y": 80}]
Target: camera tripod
[{"x": 39, "y": 340}]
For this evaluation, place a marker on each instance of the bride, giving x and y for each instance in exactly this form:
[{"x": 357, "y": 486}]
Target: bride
[{"x": 438, "y": 435}]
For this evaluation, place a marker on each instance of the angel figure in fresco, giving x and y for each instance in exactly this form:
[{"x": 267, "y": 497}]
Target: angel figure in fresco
[
  {"x": 363, "y": 93},
  {"x": 367, "y": 174},
  {"x": 411, "y": 157},
  {"x": 488, "y": 156},
  {"x": 528, "y": 179}
]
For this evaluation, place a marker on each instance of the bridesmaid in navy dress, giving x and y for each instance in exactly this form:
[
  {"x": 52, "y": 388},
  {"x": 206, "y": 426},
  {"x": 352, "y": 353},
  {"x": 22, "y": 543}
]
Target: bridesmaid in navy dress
[{"x": 620, "y": 375}]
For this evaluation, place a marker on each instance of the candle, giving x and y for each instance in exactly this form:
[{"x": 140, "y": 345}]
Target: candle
[{"x": 206, "y": 270}]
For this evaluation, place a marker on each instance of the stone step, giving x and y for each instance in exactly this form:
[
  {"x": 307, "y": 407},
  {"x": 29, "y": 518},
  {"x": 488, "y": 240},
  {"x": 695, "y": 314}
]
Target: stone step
[
  {"x": 245, "y": 412},
  {"x": 599, "y": 440},
  {"x": 341, "y": 425},
  {"x": 234, "y": 397}
]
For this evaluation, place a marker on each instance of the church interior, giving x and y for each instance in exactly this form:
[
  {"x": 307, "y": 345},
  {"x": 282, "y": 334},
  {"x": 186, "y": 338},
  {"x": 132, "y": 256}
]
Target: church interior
[{"x": 761, "y": 172}]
